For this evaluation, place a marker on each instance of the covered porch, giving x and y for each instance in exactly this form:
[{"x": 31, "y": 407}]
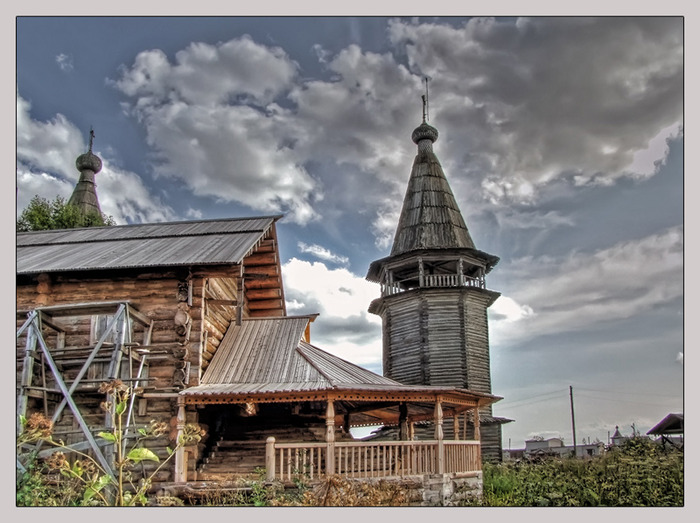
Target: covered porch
[
  {"x": 272, "y": 400},
  {"x": 395, "y": 453}
]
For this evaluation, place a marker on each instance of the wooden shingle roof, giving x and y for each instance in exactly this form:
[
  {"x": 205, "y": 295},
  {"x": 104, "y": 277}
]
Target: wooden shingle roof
[{"x": 430, "y": 217}]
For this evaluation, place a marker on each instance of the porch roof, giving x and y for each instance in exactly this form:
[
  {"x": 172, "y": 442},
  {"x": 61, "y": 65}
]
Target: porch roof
[{"x": 267, "y": 360}]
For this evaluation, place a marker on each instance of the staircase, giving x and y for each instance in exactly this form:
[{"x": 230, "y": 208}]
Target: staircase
[{"x": 241, "y": 453}]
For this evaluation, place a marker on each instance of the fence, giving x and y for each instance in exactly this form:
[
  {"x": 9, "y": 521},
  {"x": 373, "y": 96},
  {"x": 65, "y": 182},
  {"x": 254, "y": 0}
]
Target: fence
[{"x": 361, "y": 459}]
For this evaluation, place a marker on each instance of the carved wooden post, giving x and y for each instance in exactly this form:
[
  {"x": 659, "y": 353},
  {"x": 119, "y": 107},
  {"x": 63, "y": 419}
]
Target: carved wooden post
[
  {"x": 477, "y": 430},
  {"x": 330, "y": 438},
  {"x": 270, "y": 459},
  {"x": 455, "y": 419},
  {"x": 439, "y": 437},
  {"x": 403, "y": 421},
  {"x": 180, "y": 455}
]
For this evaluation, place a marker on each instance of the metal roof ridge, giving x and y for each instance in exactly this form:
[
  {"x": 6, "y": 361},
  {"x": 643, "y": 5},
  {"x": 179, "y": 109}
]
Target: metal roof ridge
[
  {"x": 274, "y": 217},
  {"x": 301, "y": 353}
]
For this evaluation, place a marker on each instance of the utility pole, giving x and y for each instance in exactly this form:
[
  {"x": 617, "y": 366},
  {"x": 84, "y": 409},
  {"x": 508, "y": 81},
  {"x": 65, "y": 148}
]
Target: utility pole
[{"x": 573, "y": 421}]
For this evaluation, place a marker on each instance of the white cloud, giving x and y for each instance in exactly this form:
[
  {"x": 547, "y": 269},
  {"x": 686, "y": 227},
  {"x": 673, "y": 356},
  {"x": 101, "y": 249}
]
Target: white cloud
[
  {"x": 517, "y": 122},
  {"x": 65, "y": 62},
  {"x": 205, "y": 135},
  {"x": 322, "y": 253},
  {"x": 581, "y": 290},
  {"x": 344, "y": 327}
]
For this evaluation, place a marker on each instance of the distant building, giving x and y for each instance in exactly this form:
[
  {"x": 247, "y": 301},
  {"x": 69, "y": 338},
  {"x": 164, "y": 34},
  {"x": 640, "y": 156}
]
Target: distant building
[
  {"x": 554, "y": 447},
  {"x": 617, "y": 438}
]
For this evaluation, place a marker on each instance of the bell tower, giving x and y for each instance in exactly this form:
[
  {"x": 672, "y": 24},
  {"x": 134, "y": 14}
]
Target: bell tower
[{"x": 434, "y": 298}]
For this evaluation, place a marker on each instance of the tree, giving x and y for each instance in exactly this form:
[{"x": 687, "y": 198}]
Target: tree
[{"x": 42, "y": 215}]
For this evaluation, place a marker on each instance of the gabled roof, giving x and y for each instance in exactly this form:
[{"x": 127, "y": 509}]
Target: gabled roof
[
  {"x": 206, "y": 242},
  {"x": 671, "y": 424},
  {"x": 268, "y": 355}
]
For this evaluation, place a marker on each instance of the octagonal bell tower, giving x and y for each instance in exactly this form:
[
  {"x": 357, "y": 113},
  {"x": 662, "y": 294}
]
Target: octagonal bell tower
[{"x": 434, "y": 298}]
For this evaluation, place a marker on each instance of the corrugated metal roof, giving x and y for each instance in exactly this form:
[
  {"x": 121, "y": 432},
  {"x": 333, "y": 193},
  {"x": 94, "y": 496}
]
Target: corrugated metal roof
[
  {"x": 144, "y": 245},
  {"x": 262, "y": 351},
  {"x": 340, "y": 372},
  {"x": 267, "y": 355}
]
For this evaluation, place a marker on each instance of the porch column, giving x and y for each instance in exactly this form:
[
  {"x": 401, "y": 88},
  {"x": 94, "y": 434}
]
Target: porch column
[
  {"x": 180, "y": 455},
  {"x": 439, "y": 437},
  {"x": 330, "y": 438},
  {"x": 477, "y": 430},
  {"x": 455, "y": 420},
  {"x": 403, "y": 421},
  {"x": 270, "y": 459}
]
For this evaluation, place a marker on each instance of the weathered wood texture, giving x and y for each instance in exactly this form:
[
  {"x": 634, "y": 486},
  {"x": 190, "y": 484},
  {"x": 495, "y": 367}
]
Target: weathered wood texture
[{"x": 438, "y": 337}]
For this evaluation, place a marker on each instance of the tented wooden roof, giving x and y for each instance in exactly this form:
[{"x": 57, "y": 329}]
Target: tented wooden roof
[{"x": 430, "y": 217}]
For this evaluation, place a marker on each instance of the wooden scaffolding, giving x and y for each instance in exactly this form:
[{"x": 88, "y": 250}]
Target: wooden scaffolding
[{"x": 54, "y": 373}]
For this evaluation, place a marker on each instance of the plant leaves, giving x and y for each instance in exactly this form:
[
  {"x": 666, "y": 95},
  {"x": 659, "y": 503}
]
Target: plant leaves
[
  {"x": 92, "y": 490},
  {"x": 142, "y": 454},
  {"x": 108, "y": 436}
]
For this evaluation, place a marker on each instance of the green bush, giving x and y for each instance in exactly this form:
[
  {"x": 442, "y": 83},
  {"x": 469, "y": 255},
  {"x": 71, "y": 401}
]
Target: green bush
[{"x": 639, "y": 473}]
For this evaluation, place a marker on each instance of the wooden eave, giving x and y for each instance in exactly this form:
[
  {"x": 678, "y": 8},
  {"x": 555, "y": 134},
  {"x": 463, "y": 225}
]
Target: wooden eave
[
  {"x": 382, "y": 404},
  {"x": 475, "y": 256}
]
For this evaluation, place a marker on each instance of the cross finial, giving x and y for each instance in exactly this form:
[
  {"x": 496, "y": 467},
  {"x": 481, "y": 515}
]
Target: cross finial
[
  {"x": 92, "y": 137},
  {"x": 426, "y": 103}
]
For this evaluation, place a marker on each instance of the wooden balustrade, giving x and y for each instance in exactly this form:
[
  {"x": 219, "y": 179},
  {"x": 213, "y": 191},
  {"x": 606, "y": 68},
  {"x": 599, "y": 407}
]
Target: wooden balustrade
[
  {"x": 365, "y": 459},
  {"x": 436, "y": 280}
]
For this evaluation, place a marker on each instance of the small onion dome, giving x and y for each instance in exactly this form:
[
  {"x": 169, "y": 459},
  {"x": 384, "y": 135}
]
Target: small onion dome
[
  {"x": 424, "y": 132},
  {"x": 88, "y": 161}
]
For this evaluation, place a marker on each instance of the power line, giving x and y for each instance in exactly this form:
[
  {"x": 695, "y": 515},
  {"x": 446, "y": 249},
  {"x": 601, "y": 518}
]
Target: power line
[{"x": 631, "y": 393}]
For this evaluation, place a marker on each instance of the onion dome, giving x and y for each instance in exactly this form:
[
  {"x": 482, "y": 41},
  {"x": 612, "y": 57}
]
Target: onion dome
[
  {"x": 85, "y": 193},
  {"x": 424, "y": 131},
  {"x": 88, "y": 161}
]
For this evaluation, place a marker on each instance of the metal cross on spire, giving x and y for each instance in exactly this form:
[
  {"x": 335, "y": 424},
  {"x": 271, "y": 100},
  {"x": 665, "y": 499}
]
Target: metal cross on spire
[
  {"x": 92, "y": 137},
  {"x": 426, "y": 105}
]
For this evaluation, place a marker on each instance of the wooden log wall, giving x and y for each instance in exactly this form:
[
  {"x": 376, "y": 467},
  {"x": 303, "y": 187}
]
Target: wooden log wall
[
  {"x": 175, "y": 347},
  {"x": 264, "y": 292}
]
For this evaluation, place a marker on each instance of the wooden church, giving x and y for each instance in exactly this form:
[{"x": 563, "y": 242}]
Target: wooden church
[{"x": 191, "y": 316}]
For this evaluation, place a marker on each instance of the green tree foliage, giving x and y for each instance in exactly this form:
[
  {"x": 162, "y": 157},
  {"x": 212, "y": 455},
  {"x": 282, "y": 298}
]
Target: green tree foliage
[{"x": 42, "y": 215}]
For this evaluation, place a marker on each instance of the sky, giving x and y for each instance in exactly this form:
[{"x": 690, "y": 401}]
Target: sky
[{"x": 561, "y": 137}]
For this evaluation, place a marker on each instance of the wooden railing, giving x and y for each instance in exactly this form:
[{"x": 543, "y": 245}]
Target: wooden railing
[
  {"x": 435, "y": 280},
  {"x": 362, "y": 459}
]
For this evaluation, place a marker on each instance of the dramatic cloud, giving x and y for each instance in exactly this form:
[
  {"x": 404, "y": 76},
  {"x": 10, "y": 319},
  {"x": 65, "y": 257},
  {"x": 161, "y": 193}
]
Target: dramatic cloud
[
  {"x": 583, "y": 290},
  {"x": 225, "y": 138},
  {"x": 46, "y": 153},
  {"x": 518, "y": 121}
]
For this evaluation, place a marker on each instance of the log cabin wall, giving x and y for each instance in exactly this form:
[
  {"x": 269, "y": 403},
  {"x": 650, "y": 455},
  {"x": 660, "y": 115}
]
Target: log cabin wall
[{"x": 161, "y": 295}]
